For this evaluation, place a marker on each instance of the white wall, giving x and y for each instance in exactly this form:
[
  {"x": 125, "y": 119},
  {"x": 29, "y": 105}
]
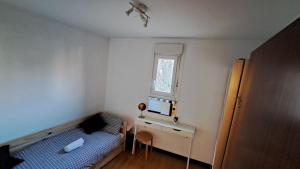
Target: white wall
[
  {"x": 50, "y": 73},
  {"x": 206, "y": 66}
]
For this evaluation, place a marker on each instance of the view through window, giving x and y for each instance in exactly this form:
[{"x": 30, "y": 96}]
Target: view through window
[{"x": 164, "y": 75}]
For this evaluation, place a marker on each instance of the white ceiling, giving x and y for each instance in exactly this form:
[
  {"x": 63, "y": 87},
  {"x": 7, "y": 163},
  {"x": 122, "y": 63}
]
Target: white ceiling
[{"x": 213, "y": 19}]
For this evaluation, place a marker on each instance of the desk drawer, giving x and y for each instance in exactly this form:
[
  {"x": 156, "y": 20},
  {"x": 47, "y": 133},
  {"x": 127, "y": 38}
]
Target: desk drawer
[
  {"x": 148, "y": 125},
  {"x": 178, "y": 132}
]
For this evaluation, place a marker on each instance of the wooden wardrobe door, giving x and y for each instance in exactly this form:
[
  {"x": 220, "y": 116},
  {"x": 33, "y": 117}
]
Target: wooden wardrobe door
[
  {"x": 233, "y": 87},
  {"x": 265, "y": 133}
]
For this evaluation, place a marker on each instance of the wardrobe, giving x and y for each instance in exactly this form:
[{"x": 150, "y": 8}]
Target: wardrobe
[{"x": 260, "y": 128}]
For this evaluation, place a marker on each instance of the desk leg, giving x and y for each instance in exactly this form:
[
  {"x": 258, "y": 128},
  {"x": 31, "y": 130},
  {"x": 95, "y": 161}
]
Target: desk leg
[
  {"x": 134, "y": 140},
  {"x": 189, "y": 154}
]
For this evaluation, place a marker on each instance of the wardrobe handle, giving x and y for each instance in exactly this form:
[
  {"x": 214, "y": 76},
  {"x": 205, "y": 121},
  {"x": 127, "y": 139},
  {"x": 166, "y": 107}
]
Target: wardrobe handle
[
  {"x": 176, "y": 129},
  {"x": 239, "y": 101},
  {"x": 147, "y": 122}
]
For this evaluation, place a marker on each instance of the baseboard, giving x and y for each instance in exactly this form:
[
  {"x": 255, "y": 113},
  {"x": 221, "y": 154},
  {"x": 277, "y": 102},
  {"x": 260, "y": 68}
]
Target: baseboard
[{"x": 200, "y": 163}]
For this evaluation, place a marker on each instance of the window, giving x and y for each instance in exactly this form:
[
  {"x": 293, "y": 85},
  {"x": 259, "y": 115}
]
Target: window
[{"x": 165, "y": 74}]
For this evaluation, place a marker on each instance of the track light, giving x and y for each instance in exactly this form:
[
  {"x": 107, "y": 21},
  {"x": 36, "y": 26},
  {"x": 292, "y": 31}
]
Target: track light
[{"x": 141, "y": 9}]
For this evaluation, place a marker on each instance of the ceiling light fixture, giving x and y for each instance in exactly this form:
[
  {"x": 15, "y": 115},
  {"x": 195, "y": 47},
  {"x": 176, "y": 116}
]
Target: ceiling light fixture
[{"x": 141, "y": 9}]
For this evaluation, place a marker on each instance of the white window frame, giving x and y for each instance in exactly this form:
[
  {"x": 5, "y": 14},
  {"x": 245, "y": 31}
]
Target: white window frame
[{"x": 174, "y": 86}]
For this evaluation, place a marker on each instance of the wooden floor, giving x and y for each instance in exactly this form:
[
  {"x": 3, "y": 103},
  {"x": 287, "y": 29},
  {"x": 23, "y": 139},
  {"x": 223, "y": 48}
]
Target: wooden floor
[{"x": 156, "y": 160}]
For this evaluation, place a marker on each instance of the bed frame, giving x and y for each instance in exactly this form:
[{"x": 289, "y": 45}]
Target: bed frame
[{"x": 23, "y": 142}]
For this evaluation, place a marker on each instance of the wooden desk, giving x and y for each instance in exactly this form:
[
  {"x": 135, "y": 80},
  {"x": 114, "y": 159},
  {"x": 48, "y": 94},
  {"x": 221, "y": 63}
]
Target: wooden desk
[{"x": 180, "y": 129}]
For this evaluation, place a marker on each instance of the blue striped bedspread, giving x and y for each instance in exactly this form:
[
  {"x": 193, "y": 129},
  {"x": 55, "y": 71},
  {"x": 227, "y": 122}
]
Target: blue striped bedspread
[{"x": 49, "y": 154}]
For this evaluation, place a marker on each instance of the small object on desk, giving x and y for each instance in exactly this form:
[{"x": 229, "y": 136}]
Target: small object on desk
[
  {"x": 175, "y": 120},
  {"x": 142, "y": 107}
]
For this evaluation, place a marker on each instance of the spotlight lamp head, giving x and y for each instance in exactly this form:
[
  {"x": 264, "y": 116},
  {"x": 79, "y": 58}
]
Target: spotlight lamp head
[
  {"x": 142, "y": 17},
  {"x": 146, "y": 23},
  {"x": 129, "y": 11}
]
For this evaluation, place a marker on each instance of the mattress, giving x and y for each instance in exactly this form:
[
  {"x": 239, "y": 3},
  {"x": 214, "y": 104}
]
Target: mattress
[{"x": 49, "y": 154}]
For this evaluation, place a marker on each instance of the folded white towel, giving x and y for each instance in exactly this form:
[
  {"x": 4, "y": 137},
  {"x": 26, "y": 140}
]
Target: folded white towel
[{"x": 75, "y": 144}]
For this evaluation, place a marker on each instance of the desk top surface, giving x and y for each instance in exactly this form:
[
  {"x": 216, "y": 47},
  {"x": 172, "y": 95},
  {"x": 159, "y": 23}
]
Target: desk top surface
[{"x": 169, "y": 124}]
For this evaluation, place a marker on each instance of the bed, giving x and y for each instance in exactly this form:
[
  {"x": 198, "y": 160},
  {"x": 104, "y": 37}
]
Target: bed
[{"x": 99, "y": 148}]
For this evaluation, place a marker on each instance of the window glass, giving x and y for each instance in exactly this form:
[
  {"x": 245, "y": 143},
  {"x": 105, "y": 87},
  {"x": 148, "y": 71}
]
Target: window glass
[{"x": 164, "y": 75}]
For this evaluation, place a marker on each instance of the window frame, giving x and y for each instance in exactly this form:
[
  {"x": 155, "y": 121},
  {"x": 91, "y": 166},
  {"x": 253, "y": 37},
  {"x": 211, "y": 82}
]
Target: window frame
[{"x": 175, "y": 75}]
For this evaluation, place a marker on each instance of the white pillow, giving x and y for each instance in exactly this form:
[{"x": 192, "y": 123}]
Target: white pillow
[{"x": 74, "y": 145}]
